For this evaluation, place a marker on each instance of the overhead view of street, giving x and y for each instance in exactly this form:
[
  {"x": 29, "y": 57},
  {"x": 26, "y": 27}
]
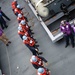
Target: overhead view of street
[{"x": 37, "y": 37}]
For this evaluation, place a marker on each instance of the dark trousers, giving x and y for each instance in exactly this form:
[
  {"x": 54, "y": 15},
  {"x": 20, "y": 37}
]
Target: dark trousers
[
  {"x": 5, "y": 16},
  {"x": 3, "y": 23},
  {"x": 32, "y": 49},
  {"x": 71, "y": 37}
]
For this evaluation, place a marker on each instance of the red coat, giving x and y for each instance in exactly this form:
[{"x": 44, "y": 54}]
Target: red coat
[
  {"x": 45, "y": 72},
  {"x": 20, "y": 19},
  {"x": 39, "y": 62},
  {"x": 23, "y": 33},
  {"x": 13, "y": 4},
  {"x": 19, "y": 11},
  {"x": 29, "y": 41},
  {"x": 24, "y": 27}
]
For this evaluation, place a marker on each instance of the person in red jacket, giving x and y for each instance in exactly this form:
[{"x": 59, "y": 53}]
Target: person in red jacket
[
  {"x": 37, "y": 61},
  {"x": 21, "y": 17},
  {"x": 18, "y": 10},
  {"x": 22, "y": 32},
  {"x": 30, "y": 41},
  {"x": 29, "y": 44},
  {"x": 34, "y": 50},
  {"x": 25, "y": 26},
  {"x": 43, "y": 71},
  {"x": 14, "y": 4}
]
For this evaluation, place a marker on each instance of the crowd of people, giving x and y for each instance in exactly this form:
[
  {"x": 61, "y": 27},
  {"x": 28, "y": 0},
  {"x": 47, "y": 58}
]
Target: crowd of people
[{"x": 26, "y": 34}]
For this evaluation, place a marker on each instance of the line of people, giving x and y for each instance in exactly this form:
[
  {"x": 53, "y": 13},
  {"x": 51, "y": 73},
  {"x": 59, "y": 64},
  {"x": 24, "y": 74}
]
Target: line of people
[{"x": 26, "y": 34}]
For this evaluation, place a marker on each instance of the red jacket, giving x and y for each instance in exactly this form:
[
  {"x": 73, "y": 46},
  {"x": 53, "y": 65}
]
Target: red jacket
[
  {"x": 45, "y": 72},
  {"x": 20, "y": 19},
  {"x": 29, "y": 41},
  {"x": 23, "y": 33},
  {"x": 13, "y": 4},
  {"x": 17, "y": 10},
  {"x": 24, "y": 27},
  {"x": 38, "y": 63}
]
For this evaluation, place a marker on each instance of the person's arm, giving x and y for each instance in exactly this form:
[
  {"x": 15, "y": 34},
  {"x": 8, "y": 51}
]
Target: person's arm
[
  {"x": 43, "y": 59},
  {"x": 30, "y": 47}
]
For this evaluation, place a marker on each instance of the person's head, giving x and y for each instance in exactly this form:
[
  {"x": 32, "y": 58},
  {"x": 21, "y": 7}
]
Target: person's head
[
  {"x": 20, "y": 28},
  {"x": 33, "y": 58},
  {"x": 18, "y": 6},
  {"x": 20, "y": 15},
  {"x": 23, "y": 22},
  {"x": 40, "y": 70},
  {"x": 63, "y": 22},
  {"x": 24, "y": 37}
]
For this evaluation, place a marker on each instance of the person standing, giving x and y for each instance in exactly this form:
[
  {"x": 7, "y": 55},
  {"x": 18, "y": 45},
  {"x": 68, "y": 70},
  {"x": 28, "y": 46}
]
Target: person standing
[
  {"x": 66, "y": 28},
  {"x": 3, "y": 38}
]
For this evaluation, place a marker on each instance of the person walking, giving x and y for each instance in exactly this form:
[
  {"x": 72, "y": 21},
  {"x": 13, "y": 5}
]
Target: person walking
[
  {"x": 37, "y": 61},
  {"x": 66, "y": 28},
  {"x": 33, "y": 49},
  {"x": 25, "y": 26},
  {"x": 18, "y": 10},
  {"x": 3, "y": 38},
  {"x": 23, "y": 32},
  {"x": 29, "y": 41}
]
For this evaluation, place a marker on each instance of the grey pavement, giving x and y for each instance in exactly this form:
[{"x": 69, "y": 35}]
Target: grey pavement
[{"x": 15, "y": 59}]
